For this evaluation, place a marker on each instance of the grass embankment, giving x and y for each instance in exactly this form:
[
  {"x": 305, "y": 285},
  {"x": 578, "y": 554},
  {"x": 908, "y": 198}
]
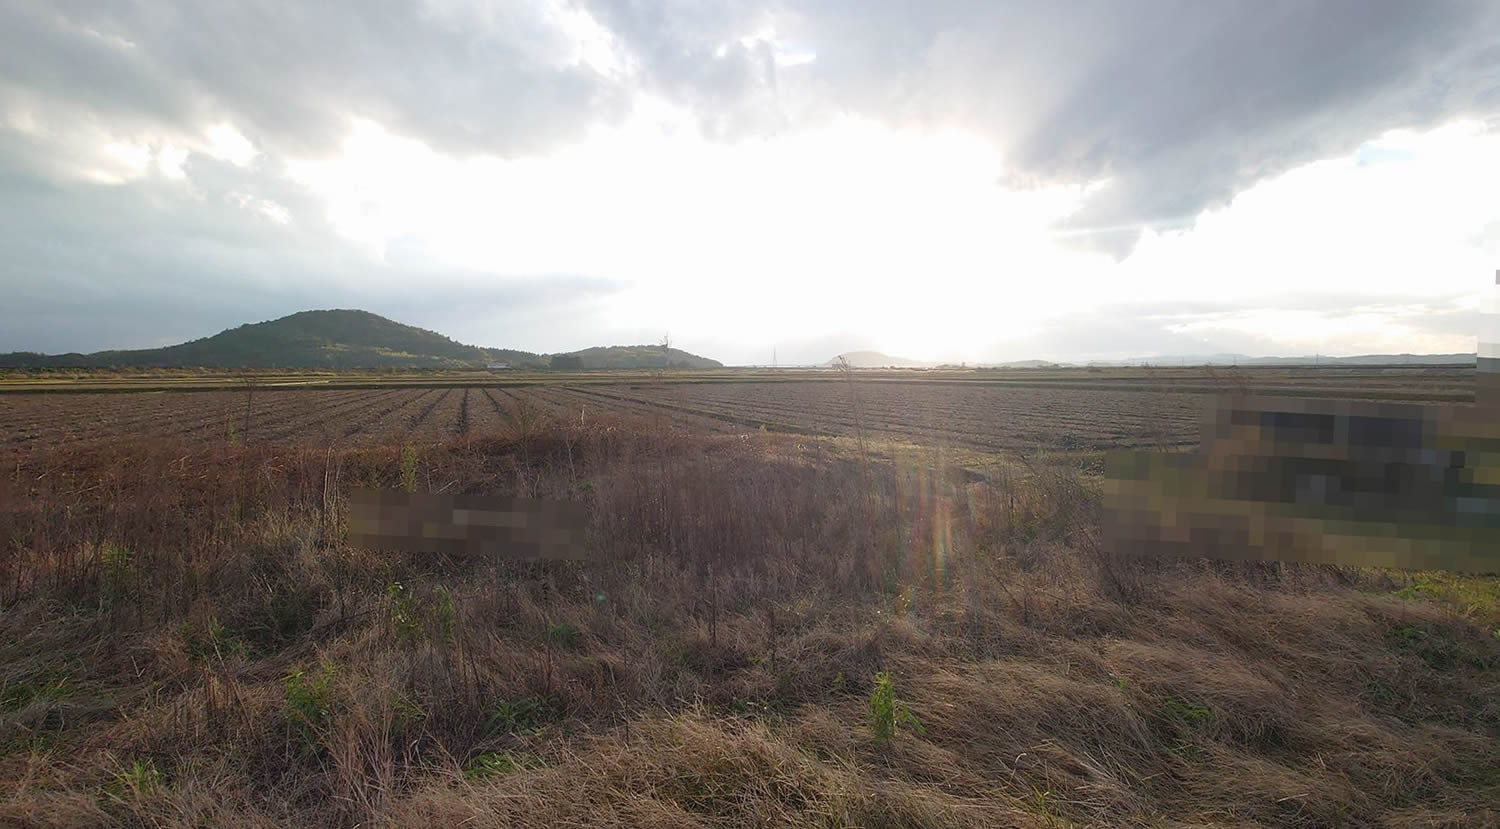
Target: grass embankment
[{"x": 775, "y": 634}]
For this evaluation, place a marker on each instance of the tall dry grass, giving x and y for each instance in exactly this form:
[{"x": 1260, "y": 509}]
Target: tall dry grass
[{"x": 186, "y": 639}]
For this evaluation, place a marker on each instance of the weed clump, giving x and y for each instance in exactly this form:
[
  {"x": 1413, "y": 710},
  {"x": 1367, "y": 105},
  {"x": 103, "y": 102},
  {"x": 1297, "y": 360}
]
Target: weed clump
[
  {"x": 888, "y": 713},
  {"x": 404, "y": 612},
  {"x": 309, "y": 700},
  {"x": 496, "y": 764},
  {"x": 521, "y": 715}
]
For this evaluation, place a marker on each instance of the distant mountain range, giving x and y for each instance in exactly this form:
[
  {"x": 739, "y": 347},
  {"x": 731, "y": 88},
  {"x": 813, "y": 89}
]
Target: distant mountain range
[
  {"x": 1307, "y": 360},
  {"x": 875, "y": 359},
  {"x": 348, "y": 339}
]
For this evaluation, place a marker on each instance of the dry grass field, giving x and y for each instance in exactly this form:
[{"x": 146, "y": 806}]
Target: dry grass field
[{"x": 839, "y": 619}]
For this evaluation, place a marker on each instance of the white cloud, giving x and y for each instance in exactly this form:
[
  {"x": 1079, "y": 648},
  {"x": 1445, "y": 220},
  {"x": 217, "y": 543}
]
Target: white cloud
[
  {"x": 124, "y": 161},
  {"x": 1313, "y": 332},
  {"x": 227, "y": 143},
  {"x": 170, "y": 160},
  {"x": 906, "y": 236}
]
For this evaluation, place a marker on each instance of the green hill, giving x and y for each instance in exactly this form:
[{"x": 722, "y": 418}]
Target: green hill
[{"x": 338, "y": 339}]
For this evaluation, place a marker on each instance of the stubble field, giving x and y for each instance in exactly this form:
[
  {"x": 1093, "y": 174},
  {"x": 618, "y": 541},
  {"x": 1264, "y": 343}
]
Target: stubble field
[{"x": 1057, "y": 411}]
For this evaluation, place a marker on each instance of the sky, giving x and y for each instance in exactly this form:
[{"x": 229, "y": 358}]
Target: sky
[{"x": 964, "y": 180}]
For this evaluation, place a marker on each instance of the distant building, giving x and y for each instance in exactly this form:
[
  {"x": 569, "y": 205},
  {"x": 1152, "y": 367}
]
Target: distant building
[{"x": 498, "y": 366}]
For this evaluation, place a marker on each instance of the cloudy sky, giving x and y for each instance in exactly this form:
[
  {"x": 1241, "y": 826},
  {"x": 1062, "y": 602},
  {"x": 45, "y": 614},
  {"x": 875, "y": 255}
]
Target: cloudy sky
[{"x": 941, "y": 179}]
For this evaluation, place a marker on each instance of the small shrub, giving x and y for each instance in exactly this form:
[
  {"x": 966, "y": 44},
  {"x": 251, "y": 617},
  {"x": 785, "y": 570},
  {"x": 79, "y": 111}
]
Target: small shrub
[
  {"x": 564, "y": 635},
  {"x": 1412, "y": 592},
  {"x": 403, "y": 611},
  {"x": 309, "y": 700},
  {"x": 138, "y": 778},
  {"x": 519, "y": 715},
  {"x": 887, "y": 713},
  {"x": 215, "y": 642}
]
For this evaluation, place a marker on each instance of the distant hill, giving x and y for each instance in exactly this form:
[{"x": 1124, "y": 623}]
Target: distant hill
[
  {"x": 874, "y": 359},
  {"x": 640, "y": 356},
  {"x": 339, "y": 339},
  {"x": 1022, "y": 364}
]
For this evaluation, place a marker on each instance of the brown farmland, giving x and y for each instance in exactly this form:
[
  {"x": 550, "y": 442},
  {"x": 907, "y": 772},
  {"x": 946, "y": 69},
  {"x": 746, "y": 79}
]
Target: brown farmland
[{"x": 1061, "y": 411}]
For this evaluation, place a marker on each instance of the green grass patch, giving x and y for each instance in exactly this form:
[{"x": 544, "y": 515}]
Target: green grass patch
[
  {"x": 214, "y": 641},
  {"x": 564, "y": 635},
  {"x": 139, "y": 778},
  {"x": 1187, "y": 722},
  {"x": 1192, "y": 716},
  {"x": 521, "y": 715},
  {"x": 1472, "y": 597},
  {"x": 1436, "y": 647},
  {"x": 15, "y": 696},
  {"x": 497, "y": 763}
]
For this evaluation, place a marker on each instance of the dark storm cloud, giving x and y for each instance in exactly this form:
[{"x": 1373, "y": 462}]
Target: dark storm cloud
[
  {"x": 696, "y": 54},
  {"x": 1180, "y": 104},
  {"x": 290, "y": 74}
]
